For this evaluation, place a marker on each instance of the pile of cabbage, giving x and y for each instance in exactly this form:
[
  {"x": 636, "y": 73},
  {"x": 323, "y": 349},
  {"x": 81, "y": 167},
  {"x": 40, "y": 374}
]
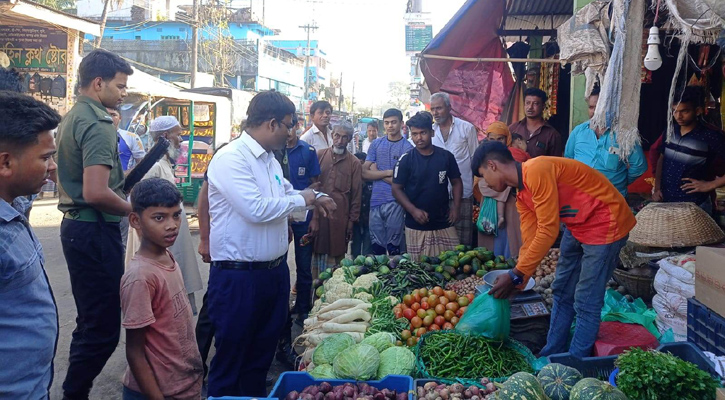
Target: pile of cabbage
[{"x": 339, "y": 357}]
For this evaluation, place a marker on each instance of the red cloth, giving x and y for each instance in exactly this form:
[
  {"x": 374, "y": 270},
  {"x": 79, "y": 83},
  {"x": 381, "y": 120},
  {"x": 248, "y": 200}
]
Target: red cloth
[
  {"x": 616, "y": 337},
  {"x": 519, "y": 155}
]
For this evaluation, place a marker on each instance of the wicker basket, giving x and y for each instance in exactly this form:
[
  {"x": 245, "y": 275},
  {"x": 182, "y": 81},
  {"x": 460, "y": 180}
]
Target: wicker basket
[
  {"x": 636, "y": 285},
  {"x": 667, "y": 225}
]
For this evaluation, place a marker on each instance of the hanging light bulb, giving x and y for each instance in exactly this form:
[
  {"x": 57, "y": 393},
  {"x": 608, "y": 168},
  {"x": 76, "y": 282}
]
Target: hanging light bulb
[{"x": 653, "y": 61}]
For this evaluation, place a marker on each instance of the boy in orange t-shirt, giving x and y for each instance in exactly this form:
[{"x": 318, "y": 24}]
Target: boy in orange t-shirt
[
  {"x": 163, "y": 357},
  {"x": 597, "y": 219}
]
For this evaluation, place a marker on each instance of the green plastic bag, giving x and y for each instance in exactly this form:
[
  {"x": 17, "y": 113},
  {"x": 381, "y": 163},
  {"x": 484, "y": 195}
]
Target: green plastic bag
[
  {"x": 617, "y": 308},
  {"x": 487, "y": 222},
  {"x": 487, "y": 316}
]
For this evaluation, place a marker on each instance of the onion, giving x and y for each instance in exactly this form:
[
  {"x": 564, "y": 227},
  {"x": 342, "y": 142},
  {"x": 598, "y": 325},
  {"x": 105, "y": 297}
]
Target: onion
[
  {"x": 430, "y": 386},
  {"x": 444, "y": 394},
  {"x": 325, "y": 387},
  {"x": 293, "y": 395},
  {"x": 475, "y": 391},
  {"x": 320, "y": 396},
  {"x": 421, "y": 392}
]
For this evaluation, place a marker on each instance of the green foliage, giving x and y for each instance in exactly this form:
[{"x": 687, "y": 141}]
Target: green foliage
[
  {"x": 653, "y": 375},
  {"x": 57, "y": 4}
]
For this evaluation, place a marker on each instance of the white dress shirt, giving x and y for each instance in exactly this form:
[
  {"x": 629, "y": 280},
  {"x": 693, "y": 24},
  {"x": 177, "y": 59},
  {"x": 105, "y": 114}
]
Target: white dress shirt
[
  {"x": 315, "y": 138},
  {"x": 366, "y": 145},
  {"x": 462, "y": 142},
  {"x": 249, "y": 202}
]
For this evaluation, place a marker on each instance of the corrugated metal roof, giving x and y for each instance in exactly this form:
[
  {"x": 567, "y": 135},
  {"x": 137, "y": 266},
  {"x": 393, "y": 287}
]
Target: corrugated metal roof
[
  {"x": 515, "y": 22},
  {"x": 540, "y": 7}
]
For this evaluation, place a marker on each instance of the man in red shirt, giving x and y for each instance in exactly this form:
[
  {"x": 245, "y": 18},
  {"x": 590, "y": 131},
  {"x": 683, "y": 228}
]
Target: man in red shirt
[{"x": 554, "y": 190}]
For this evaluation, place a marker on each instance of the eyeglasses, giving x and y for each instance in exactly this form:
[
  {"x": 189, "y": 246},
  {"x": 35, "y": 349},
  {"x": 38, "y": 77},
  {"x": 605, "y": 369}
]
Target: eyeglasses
[{"x": 289, "y": 127}]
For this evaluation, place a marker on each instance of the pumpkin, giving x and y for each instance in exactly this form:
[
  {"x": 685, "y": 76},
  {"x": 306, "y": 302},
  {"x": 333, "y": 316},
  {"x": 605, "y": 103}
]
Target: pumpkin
[
  {"x": 594, "y": 389},
  {"x": 557, "y": 380},
  {"x": 521, "y": 385}
]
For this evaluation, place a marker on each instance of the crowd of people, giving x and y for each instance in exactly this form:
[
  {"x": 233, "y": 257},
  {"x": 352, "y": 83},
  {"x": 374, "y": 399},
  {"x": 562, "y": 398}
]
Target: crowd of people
[{"x": 132, "y": 264}]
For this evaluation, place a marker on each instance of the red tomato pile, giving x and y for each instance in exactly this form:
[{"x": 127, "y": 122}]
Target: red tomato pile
[{"x": 430, "y": 310}]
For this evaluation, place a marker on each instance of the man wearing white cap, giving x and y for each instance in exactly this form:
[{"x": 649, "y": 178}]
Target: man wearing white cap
[{"x": 183, "y": 249}]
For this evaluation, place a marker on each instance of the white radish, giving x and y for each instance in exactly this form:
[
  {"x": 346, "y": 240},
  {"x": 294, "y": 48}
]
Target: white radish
[
  {"x": 355, "y": 315},
  {"x": 341, "y": 304},
  {"x": 331, "y": 327}
]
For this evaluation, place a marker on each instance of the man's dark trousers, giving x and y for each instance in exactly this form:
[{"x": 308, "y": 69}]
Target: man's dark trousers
[
  {"x": 95, "y": 257},
  {"x": 248, "y": 309},
  {"x": 303, "y": 261}
]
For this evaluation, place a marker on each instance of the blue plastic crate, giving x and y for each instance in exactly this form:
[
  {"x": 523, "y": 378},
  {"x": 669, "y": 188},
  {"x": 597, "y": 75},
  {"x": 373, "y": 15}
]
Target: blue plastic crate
[
  {"x": 239, "y": 398},
  {"x": 590, "y": 367},
  {"x": 705, "y": 328},
  {"x": 298, "y": 381}
]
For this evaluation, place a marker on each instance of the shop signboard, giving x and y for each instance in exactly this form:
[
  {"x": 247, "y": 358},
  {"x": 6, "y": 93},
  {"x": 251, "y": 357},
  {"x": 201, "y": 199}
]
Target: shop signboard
[
  {"x": 35, "y": 48},
  {"x": 417, "y": 35}
]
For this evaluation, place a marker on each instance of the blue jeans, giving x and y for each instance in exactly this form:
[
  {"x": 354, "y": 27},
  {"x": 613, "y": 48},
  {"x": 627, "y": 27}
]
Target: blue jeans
[
  {"x": 129, "y": 394},
  {"x": 581, "y": 281},
  {"x": 303, "y": 261}
]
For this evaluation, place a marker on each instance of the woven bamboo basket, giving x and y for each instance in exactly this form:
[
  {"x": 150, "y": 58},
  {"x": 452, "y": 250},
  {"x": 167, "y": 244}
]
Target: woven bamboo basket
[
  {"x": 667, "y": 225},
  {"x": 636, "y": 285}
]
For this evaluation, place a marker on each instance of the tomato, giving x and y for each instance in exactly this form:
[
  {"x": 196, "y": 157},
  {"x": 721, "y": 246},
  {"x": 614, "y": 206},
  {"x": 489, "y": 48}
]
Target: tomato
[
  {"x": 409, "y": 314},
  {"x": 455, "y": 320},
  {"x": 421, "y": 313},
  {"x": 428, "y": 320},
  {"x": 434, "y": 327},
  {"x": 448, "y": 315},
  {"x": 416, "y": 322},
  {"x": 438, "y": 291},
  {"x": 443, "y": 300},
  {"x": 453, "y": 306},
  {"x": 408, "y": 300},
  {"x": 398, "y": 313},
  {"x": 417, "y": 297},
  {"x": 459, "y": 313},
  {"x": 470, "y": 297},
  {"x": 398, "y": 343},
  {"x": 439, "y": 320},
  {"x": 423, "y": 292},
  {"x": 440, "y": 309},
  {"x": 424, "y": 305},
  {"x": 415, "y": 306},
  {"x": 433, "y": 300},
  {"x": 432, "y": 313},
  {"x": 463, "y": 301},
  {"x": 451, "y": 295},
  {"x": 410, "y": 342},
  {"x": 405, "y": 335},
  {"x": 404, "y": 307},
  {"x": 416, "y": 291},
  {"x": 420, "y": 332},
  {"x": 447, "y": 326}
]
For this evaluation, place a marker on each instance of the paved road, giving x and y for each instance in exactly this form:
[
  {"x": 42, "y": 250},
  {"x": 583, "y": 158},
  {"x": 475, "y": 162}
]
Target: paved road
[{"x": 45, "y": 219}]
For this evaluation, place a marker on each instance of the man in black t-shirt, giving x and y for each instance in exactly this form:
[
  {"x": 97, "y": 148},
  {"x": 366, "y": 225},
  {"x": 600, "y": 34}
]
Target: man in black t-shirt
[{"x": 420, "y": 185}]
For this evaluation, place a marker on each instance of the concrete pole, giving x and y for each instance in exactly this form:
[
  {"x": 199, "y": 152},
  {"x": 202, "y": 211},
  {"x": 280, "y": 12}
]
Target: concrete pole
[{"x": 194, "y": 42}]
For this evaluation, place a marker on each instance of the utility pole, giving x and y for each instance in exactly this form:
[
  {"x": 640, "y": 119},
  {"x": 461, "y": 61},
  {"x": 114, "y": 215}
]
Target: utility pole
[
  {"x": 308, "y": 28},
  {"x": 194, "y": 42}
]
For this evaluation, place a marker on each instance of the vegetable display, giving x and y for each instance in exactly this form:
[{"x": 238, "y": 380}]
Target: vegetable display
[
  {"x": 383, "y": 319},
  {"x": 430, "y": 310},
  {"x": 381, "y": 341},
  {"x": 323, "y": 371},
  {"x": 653, "y": 375},
  {"x": 348, "y": 391},
  {"x": 330, "y": 347},
  {"x": 451, "y": 355},
  {"x": 466, "y": 286},
  {"x": 359, "y": 362},
  {"x": 594, "y": 389},
  {"x": 557, "y": 380},
  {"x": 396, "y": 361},
  {"x": 457, "y": 391},
  {"x": 544, "y": 276}
]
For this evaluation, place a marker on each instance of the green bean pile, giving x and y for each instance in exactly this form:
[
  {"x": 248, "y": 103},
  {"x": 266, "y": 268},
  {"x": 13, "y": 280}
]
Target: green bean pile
[{"x": 452, "y": 355}]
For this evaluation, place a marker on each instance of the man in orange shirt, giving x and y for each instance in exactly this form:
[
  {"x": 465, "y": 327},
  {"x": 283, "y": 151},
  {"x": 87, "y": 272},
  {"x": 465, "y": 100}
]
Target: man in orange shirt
[{"x": 597, "y": 218}]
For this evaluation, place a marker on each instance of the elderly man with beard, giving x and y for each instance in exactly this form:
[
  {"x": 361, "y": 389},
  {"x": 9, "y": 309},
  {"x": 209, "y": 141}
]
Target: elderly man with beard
[
  {"x": 341, "y": 178},
  {"x": 183, "y": 249}
]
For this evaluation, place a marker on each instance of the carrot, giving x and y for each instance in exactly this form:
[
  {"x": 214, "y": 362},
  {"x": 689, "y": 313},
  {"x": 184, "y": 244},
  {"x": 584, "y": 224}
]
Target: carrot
[{"x": 331, "y": 327}]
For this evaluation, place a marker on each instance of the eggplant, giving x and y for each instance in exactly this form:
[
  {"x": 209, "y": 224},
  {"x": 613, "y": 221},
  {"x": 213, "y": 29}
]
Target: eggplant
[{"x": 317, "y": 283}]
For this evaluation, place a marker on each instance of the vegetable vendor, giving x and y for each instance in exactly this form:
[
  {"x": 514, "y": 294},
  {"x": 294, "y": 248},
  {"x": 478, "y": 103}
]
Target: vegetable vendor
[
  {"x": 249, "y": 204},
  {"x": 420, "y": 185},
  {"x": 597, "y": 219}
]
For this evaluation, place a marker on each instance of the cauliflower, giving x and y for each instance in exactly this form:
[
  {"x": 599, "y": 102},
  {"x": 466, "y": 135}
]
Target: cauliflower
[
  {"x": 365, "y": 281},
  {"x": 367, "y": 297},
  {"x": 342, "y": 290},
  {"x": 339, "y": 273},
  {"x": 393, "y": 300}
]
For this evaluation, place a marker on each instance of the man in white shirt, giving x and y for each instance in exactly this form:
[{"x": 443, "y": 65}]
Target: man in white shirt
[
  {"x": 249, "y": 205},
  {"x": 460, "y": 138},
  {"x": 319, "y": 135},
  {"x": 372, "y": 135}
]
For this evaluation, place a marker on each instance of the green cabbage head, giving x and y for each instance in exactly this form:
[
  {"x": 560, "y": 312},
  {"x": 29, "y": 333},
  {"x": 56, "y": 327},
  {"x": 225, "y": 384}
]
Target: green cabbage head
[
  {"x": 359, "y": 362},
  {"x": 330, "y": 347},
  {"x": 381, "y": 341},
  {"x": 396, "y": 361},
  {"x": 323, "y": 371}
]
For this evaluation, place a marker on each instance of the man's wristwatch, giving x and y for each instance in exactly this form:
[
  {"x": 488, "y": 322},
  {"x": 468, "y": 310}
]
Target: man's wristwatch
[
  {"x": 319, "y": 194},
  {"x": 515, "y": 278}
]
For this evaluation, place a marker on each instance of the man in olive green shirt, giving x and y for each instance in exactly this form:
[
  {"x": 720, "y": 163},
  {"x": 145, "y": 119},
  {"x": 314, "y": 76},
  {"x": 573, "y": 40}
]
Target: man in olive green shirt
[{"x": 90, "y": 181}]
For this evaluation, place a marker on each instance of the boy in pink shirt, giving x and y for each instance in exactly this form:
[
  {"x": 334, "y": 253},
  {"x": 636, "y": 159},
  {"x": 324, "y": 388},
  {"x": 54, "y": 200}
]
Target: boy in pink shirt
[{"x": 163, "y": 357}]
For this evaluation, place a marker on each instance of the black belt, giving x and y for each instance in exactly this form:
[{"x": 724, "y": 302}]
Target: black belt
[{"x": 247, "y": 265}]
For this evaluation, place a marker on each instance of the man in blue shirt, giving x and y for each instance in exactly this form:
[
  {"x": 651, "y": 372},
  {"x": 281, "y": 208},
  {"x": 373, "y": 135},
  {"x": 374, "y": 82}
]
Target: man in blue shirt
[
  {"x": 28, "y": 316},
  {"x": 600, "y": 151}
]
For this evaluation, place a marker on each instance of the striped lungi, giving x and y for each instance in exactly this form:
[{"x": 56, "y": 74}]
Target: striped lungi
[
  {"x": 464, "y": 226},
  {"x": 430, "y": 243}
]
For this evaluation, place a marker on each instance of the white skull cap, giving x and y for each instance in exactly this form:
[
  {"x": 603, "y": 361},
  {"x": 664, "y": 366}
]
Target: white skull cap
[{"x": 163, "y": 123}]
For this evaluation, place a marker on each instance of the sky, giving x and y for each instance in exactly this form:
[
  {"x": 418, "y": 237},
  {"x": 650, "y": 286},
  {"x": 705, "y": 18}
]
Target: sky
[{"x": 363, "y": 39}]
